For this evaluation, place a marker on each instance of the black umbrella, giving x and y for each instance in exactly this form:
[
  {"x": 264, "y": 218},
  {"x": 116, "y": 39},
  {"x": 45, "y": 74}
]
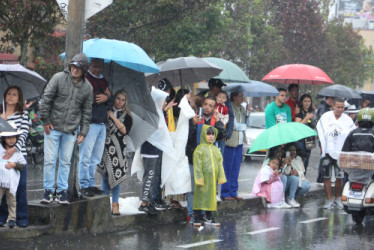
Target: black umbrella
[
  {"x": 31, "y": 83},
  {"x": 338, "y": 90}
]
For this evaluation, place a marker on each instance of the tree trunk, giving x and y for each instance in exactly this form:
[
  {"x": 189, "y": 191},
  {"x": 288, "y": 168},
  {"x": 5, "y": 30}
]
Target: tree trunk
[{"x": 23, "y": 56}]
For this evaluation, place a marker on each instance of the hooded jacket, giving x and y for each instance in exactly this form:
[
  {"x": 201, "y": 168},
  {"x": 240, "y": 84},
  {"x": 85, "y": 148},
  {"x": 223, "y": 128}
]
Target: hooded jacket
[
  {"x": 66, "y": 104},
  {"x": 208, "y": 170}
]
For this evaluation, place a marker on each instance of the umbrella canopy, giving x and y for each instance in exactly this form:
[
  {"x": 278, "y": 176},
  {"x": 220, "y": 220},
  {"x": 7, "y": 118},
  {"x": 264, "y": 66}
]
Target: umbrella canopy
[
  {"x": 126, "y": 54},
  {"x": 281, "y": 133},
  {"x": 254, "y": 89},
  {"x": 230, "y": 71},
  {"x": 338, "y": 90},
  {"x": 298, "y": 73},
  {"x": 142, "y": 107},
  {"x": 5, "y": 126},
  {"x": 31, "y": 83},
  {"x": 184, "y": 70}
]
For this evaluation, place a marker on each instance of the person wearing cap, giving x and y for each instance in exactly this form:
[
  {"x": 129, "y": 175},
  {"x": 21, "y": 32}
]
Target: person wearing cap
[
  {"x": 215, "y": 86},
  {"x": 10, "y": 172},
  {"x": 92, "y": 148},
  {"x": 351, "y": 111},
  {"x": 66, "y": 105}
]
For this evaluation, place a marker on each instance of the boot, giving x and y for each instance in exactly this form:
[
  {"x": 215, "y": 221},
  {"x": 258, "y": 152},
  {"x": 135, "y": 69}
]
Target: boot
[{"x": 115, "y": 208}]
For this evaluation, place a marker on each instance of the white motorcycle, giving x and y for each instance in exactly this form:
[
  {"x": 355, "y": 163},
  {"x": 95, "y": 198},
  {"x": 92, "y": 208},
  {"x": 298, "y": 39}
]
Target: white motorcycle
[{"x": 358, "y": 195}]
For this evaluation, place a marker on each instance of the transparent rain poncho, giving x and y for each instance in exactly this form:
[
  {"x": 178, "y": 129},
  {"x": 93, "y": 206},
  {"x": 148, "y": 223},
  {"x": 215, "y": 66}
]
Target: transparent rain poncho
[{"x": 208, "y": 170}]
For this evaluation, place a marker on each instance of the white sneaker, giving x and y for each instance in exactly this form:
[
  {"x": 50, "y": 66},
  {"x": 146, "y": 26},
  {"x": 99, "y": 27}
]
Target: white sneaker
[
  {"x": 293, "y": 203},
  {"x": 338, "y": 203},
  {"x": 329, "y": 204},
  {"x": 281, "y": 205}
]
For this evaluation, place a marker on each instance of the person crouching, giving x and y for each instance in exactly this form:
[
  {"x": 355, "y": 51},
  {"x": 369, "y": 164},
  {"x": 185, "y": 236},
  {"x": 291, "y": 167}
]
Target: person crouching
[{"x": 208, "y": 170}]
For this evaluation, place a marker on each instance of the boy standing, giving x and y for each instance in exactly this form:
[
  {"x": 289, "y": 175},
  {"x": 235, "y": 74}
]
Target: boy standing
[{"x": 208, "y": 170}]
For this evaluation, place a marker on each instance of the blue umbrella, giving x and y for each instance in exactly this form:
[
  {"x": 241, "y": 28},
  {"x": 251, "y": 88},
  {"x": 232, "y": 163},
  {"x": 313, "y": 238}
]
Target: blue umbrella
[
  {"x": 126, "y": 54},
  {"x": 253, "y": 88}
]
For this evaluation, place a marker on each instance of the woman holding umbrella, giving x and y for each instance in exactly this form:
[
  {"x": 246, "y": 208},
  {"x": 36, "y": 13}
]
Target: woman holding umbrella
[
  {"x": 306, "y": 116},
  {"x": 114, "y": 165},
  {"x": 13, "y": 110}
]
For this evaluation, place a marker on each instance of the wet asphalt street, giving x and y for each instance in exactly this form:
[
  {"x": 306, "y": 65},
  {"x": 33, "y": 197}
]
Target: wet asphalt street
[{"x": 309, "y": 227}]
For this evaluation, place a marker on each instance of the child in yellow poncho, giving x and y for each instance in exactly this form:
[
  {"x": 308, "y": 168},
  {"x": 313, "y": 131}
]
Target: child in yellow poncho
[{"x": 208, "y": 170}]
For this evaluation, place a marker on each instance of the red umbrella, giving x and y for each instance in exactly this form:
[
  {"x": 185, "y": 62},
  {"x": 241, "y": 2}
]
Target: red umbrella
[{"x": 297, "y": 73}]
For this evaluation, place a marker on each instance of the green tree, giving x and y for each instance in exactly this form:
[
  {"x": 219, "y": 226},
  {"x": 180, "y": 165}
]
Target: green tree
[{"x": 26, "y": 23}]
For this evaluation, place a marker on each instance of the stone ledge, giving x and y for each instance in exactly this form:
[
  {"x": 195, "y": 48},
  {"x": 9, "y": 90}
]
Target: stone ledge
[{"x": 93, "y": 215}]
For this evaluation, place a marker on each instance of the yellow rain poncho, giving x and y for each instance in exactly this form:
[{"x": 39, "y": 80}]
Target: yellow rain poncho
[{"x": 208, "y": 170}]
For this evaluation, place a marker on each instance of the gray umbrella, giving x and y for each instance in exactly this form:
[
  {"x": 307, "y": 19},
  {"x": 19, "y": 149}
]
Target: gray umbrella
[
  {"x": 338, "y": 90},
  {"x": 31, "y": 83},
  {"x": 5, "y": 126},
  {"x": 184, "y": 70},
  {"x": 142, "y": 107},
  {"x": 254, "y": 88}
]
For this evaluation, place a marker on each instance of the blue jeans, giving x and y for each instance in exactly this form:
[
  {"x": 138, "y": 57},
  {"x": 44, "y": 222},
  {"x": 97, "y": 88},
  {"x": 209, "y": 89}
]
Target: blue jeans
[
  {"x": 293, "y": 189},
  {"x": 221, "y": 146},
  {"x": 90, "y": 154},
  {"x": 232, "y": 159},
  {"x": 156, "y": 190},
  {"x": 62, "y": 144},
  {"x": 106, "y": 188},
  {"x": 22, "y": 209}
]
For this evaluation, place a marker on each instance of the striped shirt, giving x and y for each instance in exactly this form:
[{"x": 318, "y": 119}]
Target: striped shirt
[{"x": 22, "y": 122}]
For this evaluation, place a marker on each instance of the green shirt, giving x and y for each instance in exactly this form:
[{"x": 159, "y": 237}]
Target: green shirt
[{"x": 275, "y": 114}]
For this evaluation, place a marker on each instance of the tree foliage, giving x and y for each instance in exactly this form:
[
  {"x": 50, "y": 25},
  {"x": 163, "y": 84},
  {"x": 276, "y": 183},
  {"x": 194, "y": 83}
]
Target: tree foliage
[{"x": 27, "y": 22}]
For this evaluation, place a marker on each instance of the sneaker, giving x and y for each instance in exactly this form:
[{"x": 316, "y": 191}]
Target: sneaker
[
  {"x": 160, "y": 205},
  {"x": 96, "y": 191},
  {"x": 149, "y": 209},
  {"x": 62, "y": 197},
  {"x": 338, "y": 203},
  {"x": 87, "y": 192},
  {"x": 47, "y": 197},
  {"x": 329, "y": 204},
  {"x": 293, "y": 203},
  {"x": 11, "y": 223},
  {"x": 191, "y": 219},
  {"x": 281, "y": 205},
  {"x": 212, "y": 222}
]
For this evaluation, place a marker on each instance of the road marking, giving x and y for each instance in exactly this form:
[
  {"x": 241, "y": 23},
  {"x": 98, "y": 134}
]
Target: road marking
[
  {"x": 263, "y": 230},
  {"x": 199, "y": 243},
  {"x": 313, "y": 220},
  {"x": 245, "y": 180}
]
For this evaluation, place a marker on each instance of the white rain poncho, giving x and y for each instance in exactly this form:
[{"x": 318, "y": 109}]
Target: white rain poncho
[{"x": 175, "y": 174}]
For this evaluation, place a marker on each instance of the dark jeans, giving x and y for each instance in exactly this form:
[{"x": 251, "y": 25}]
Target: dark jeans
[
  {"x": 22, "y": 210},
  {"x": 157, "y": 191},
  {"x": 148, "y": 177}
]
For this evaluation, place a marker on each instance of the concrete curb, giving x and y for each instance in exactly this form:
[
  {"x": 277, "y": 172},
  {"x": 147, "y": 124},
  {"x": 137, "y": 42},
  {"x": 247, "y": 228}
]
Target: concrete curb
[{"x": 93, "y": 215}]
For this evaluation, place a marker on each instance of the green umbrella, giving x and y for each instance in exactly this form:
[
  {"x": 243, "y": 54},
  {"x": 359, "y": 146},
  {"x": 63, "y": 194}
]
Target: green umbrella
[
  {"x": 231, "y": 72},
  {"x": 281, "y": 134}
]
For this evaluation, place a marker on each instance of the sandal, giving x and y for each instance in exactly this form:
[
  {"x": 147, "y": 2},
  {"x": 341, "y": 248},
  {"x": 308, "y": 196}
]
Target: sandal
[
  {"x": 237, "y": 198},
  {"x": 228, "y": 199}
]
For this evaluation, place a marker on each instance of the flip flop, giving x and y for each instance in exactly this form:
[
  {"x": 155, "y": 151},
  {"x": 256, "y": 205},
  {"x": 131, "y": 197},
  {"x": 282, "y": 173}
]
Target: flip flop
[
  {"x": 228, "y": 199},
  {"x": 237, "y": 198}
]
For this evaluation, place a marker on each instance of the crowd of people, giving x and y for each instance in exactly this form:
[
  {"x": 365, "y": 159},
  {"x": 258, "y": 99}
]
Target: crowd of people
[{"x": 78, "y": 107}]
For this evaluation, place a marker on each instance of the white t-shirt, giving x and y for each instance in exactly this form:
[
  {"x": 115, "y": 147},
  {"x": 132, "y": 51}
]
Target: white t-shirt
[{"x": 332, "y": 133}]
